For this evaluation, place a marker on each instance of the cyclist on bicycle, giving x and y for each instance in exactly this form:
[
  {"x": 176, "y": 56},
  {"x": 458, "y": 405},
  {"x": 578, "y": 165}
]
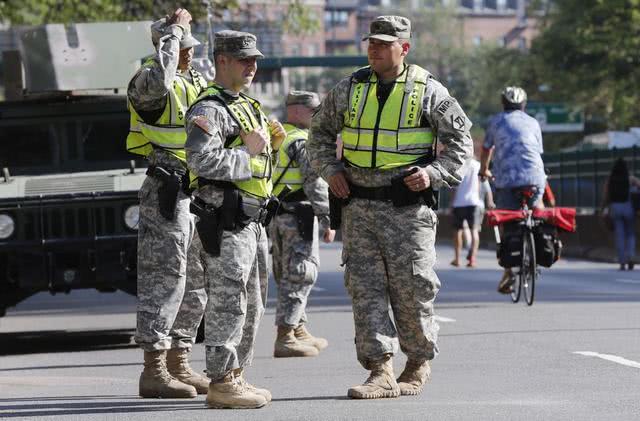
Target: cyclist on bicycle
[{"x": 514, "y": 140}]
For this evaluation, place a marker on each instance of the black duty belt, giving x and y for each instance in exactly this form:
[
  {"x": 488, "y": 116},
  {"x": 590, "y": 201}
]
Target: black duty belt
[
  {"x": 160, "y": 173},
  {"x": 382, "y": 193},
  {"x": 296, "y": 196}
]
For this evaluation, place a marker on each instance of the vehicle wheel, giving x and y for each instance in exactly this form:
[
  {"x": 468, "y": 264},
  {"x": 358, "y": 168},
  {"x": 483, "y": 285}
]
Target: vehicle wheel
[{"x": 530, "y": 270}]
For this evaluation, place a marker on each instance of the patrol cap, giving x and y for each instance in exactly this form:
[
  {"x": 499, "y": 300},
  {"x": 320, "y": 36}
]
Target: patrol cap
[
  {"x": 306, "y": 98},
  {"x": 389, "y": 28},
  {"x": 157, "y": 31},
  {"x": 236, "y": 44}
]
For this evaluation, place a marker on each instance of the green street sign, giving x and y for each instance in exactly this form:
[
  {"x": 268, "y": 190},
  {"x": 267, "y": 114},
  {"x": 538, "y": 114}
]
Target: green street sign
[{"x": 556, "y": 117}]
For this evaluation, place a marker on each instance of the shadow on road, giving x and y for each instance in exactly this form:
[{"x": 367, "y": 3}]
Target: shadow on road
[
  {"x": 29, "y": 410},
  {"x": 15, "y": 343}
]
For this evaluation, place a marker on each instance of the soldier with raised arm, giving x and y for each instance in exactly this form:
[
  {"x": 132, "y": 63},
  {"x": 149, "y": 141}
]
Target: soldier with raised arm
[
  {"x": 229, "y": 147},
  {"x": 390, "y": 115},
  {"x": 170, "y": 306}
]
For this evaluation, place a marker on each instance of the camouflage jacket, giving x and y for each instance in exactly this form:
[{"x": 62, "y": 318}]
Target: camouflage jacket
[{"x": 443, "y": 113}]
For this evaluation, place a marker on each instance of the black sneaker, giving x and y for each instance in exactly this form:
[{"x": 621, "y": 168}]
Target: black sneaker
[{"x": 630, "y": 265}]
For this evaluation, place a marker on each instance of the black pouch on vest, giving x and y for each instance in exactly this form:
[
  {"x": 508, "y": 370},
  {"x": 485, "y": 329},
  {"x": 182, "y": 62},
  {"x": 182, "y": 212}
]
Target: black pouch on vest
[
  {"x": 208, "y": 226},
  {"x": 305, "y": 219},
  {"x": 400, "y": 194},
  {"x": 171, "y": 183}
]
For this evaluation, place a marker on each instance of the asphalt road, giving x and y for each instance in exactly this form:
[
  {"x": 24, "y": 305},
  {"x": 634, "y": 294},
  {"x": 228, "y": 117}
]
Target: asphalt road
[{"x": 573, "y": 355}]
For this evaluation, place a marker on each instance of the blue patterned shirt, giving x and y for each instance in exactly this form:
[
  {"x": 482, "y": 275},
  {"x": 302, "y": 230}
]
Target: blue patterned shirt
[{"x": 517, "y": 141}]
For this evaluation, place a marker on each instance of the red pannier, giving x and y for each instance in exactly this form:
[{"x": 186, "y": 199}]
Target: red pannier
[
  {"x": 562, "y": 218},
  {"x": 502, "y": 216}
]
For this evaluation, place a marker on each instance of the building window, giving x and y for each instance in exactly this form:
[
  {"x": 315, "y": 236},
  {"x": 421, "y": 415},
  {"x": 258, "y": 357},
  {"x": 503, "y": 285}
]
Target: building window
[
  {"x": 477, "y": 40},
  {"x": 312, "y": 50},
  {"x": 334, "y": 18}
]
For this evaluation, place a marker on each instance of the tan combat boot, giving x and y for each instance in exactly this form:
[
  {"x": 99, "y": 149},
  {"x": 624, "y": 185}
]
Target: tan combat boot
[
  {"x": 380, "y": 384},
  {"x": 178, "y": 366},
  {"x": 156, "y": 382},
  {"x": 262, "y": 392},
  {"x": 414, "y": 376},
  {"x": 287, "y": 345},
  {"x": 303, "y": 335},
  {"x": 229, "y": 392}
]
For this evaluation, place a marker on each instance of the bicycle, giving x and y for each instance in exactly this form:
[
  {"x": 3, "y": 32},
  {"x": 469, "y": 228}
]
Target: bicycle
[{"x": 525, "y": 278}]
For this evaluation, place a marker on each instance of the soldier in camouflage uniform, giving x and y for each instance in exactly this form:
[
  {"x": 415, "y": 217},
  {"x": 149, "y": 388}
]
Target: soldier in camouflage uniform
[
  {"x": 293, "y": 232},
  {"x": 170, "y": 305},
  {"x": 229, "y": 147},
  {"x": 389, "y": 116}
]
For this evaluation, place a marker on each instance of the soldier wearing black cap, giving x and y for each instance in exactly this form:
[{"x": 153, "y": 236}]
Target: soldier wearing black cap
[
  {"x": 170, "y": 307},
  {"x": 229, "y": 148},
  {"x": 389, "y": 116},
  {"x": 294, "y": 234}
]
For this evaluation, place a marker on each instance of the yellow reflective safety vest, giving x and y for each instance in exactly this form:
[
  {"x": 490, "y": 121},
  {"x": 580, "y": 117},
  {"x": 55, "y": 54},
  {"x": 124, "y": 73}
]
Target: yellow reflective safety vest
[
  {"x": 287, "y": 172},
  {"x": 167, "y": 132},
  {"x": 389, "y": 137},
  {"x": 248, "y": 115}
]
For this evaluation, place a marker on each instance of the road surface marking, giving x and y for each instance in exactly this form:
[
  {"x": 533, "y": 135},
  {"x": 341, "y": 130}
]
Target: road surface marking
[
  {"x": 609, "y": 357},
  {"x": 444, "y": 319},
  {"x": 315, "y": 288},
  {"x": 628, "y": 281}
]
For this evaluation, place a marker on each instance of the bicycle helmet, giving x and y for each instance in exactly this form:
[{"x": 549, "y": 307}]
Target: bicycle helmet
[{"x": 514, "y": 95}]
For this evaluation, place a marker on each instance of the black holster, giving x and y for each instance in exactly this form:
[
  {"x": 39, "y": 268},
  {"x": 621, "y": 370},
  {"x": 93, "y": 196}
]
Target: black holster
[
  {"x": 335, "y": 210},
  {"x": 305, "y": 219},
  {"x": 402, "y": 196},
  {"x": 170, "y": 185},
  {"x": 270, "y": 210},
  {"x": 209, "y": 226}
]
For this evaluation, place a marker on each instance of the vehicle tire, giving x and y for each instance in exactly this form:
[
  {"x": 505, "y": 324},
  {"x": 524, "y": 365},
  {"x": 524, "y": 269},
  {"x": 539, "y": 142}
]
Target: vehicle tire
[{"x": 529, "y": 270}]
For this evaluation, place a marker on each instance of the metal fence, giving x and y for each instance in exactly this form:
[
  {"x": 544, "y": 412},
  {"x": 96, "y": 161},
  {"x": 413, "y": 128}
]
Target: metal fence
[{"x": 577, "y": 178}]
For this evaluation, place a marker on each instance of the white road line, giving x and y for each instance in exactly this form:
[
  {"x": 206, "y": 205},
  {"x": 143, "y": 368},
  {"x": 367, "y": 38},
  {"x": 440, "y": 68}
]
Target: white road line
[
  {"x": 609, "y": 357},
  {"x": 315, "y": 288},
  {"x": 444, "y": 319},
  {"x": 628, "y": 281}
]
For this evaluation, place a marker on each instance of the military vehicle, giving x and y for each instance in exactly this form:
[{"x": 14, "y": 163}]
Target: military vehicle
[{"x": 68, "y": 188}]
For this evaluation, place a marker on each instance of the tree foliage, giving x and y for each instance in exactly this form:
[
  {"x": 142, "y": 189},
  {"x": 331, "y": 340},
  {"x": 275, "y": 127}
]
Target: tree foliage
[{"x": 589, "y": 52}]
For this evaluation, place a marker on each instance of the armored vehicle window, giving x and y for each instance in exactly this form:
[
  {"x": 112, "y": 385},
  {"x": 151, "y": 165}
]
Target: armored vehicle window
[
  {"x": 27, "y": 145},
  {"x": 106, "y": 140}
]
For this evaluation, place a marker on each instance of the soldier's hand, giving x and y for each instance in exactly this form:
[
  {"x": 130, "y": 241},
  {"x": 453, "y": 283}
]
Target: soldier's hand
[
  {"x": 180, "y": 17},
  {"x": 329, "y": 235},
  {"x": 339, "y": 185},
  {"x": 278, "y": 134},
  {"x": 255, "y": 141},
  {"x": 418, "y": 181}
]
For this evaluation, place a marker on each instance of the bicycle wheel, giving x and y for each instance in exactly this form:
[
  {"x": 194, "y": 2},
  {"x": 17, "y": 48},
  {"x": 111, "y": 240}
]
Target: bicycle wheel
[{"x": 528, "y": 270}]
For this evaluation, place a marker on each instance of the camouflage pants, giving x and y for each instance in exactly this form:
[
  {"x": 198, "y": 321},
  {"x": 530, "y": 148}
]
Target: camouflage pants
[
  {"x": 389, "y": 255},
  {"x": 237, "y": 287},
  {"x": 295, "y": 269},
  {"x": 171, "y": 298}
]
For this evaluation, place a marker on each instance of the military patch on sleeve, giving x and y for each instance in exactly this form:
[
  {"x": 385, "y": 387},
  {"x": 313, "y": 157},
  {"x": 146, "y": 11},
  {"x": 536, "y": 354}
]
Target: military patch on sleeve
[
  {"x": 202, "y": 122},
  {"x": 458, "y": 122},
  {"x": 444, "y": 106}
]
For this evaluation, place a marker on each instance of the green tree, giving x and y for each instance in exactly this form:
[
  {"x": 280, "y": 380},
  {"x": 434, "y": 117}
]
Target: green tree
[
  {"x": 35, "y": 12},
  {"x": 589, "y": 53}
]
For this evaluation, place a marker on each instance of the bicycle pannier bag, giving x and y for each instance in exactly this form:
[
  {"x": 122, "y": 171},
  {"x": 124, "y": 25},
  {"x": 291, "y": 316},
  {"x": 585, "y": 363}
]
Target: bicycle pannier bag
[
  {"x": 510, "y": 248},
  {"x": 548, "y": 245}
]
